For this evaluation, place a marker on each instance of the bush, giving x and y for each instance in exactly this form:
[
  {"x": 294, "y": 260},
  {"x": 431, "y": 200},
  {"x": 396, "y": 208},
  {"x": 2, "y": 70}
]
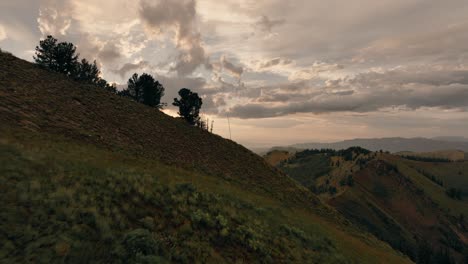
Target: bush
[{"x": 136, "y": 244}]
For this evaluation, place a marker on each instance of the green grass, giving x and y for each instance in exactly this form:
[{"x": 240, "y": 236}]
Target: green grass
[
  {"x": 453, "y": 174},
  {"x": 390, "y": 199},
  {"x": 62, "y": 209},
  {"x": 306, "y": 169},
  {"x": 74, "y": 203},
  {"x": 433, "y": 190}
]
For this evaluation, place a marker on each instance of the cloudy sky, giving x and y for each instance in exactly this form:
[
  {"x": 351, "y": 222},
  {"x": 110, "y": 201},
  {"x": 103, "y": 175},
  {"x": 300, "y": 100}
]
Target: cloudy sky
[{"x": 283, "y": 71}]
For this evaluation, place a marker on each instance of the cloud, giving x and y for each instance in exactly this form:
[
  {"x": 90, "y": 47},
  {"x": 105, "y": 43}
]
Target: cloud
[
  {"x": 445, "y": 43},
  {"x": 173, "y": 84},
  {"x": 274, "y": 62},
  {"x": 54, "y": 18},
  {"x": 127, "y": 67},
  {"x": 3, "y": 34},
  {"x": 266, "y": 24},
  {"x": 63, "y": 20},
  {"x": 409, "y": 88},
  {"x": 314, "y": 70},
  {"x": 178, "y": 18},
  {"x": 109, "y": 52},
  {"x": 231, "y": 68},
  {"x": 290, "y": 59}
]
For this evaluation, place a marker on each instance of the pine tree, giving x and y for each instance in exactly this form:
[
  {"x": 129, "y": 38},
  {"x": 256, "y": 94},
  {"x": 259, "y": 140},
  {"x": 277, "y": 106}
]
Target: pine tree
[
  {"x": 145, "y": 89},
  {"x": 87, "y": 72},
  {"x": 45, "y": 55},
  {"x": 60, "y": 57},
  {"x": 189, "y": 105}
]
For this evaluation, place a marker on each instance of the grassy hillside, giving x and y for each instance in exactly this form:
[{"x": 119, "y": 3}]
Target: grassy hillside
[
  {"x": 396, "y": 199},
  {"x": 87, "y": 176},
  {"x": 452, "y": 174},
  {"x": 275, "y": 157},
  {"x": 390, "y": 144},
  {"x": 450, "y": 155}
]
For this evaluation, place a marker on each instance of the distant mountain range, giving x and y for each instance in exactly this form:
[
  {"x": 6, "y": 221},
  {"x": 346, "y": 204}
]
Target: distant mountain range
[
  {"x": 395, "y": 144},
  {"x": 451, "y": 139}
]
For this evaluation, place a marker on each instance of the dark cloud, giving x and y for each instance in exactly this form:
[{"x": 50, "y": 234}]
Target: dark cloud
[
  {"x": 128, "y": 67},
  {"x": 266, "y": 24},
  {"x": 366, "y": 92},
  {"x": 178, "y": 17},
  {"x": 110, "y": 52},
  {"x": 231, "y": 68},
  {"x": 174, "y": 84},
  {"x": 274, "y": 62}
]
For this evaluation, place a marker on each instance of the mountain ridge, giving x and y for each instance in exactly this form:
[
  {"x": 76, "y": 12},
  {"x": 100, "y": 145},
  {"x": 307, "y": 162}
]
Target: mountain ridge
[
  {"x": 392, "y": 144},
  {"x": 411, "y": 204}
]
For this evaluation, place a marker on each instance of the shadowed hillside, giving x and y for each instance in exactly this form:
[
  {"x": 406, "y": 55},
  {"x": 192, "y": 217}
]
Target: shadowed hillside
[
  {"x": 390, "y": 144},
  {"x": 88, "y": 176},
  {"x": 413, "y": 205}
]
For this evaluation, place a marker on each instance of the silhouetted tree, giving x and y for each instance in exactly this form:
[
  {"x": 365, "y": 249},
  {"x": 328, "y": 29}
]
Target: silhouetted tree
[
  {"x": 152, "y": 91},
  {"x": 189, "y": 105},
  {"x": 60, "y": 57},
  {"x": 134, "y": 89},
  {"x": 104, "y": 84},
  {"x": 45, "y": 52},
  {"x": 87, "y": 72},
  {"x": 124, "y": 92},
  {"x": 144, "y": 89}
]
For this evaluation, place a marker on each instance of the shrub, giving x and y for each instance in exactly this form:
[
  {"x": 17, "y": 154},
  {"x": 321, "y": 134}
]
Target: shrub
[{"x": 137, "y": 243}]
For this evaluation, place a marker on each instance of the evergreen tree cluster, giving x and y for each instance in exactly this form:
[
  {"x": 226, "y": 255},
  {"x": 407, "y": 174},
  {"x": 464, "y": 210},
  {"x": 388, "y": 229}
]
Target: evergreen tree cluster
[
  {"x": 426, "y": 159},
  {"x": 61, "y": 57},
  {"x": 144, "y": 89}
]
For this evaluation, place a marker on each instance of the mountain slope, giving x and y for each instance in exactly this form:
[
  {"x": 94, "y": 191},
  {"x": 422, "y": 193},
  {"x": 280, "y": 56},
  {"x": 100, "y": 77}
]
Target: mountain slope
[
  {"x": 89, "y": 176},
  {"x": 400, "y": 201},
  {"x": 390, "y": 144},
  {"x": 449, "y": 155}
]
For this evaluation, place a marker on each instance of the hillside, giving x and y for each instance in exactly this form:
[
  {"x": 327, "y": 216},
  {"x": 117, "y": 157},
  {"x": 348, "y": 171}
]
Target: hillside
[
  {"x": 88, "y": 176},
  {"x": 274, "y": 157},
  {"x": 449, "y": 155},
  {"x": 401, "y": 201},
  {"x": 390, "y": 144}
]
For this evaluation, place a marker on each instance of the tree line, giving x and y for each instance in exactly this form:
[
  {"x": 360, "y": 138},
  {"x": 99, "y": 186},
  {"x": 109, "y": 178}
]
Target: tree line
[
  {"x": 425, "y": 159},
  {"x": 61, "y": 57}
]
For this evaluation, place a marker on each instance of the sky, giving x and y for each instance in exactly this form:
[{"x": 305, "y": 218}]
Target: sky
[{"x": 282, "y": 72}]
